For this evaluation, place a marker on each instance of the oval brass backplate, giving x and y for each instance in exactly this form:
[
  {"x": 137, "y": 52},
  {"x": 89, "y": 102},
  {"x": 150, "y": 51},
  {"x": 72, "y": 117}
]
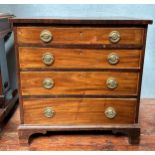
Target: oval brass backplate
[
  {"x": 112, "y": 83},
  {"x": 48, "y": 83},
  {"x": 114, "y": 37},
  {"x": 110, "y": 112},
  {"x": 46, "y": 36},
  {"x": 49, "y": 112},
  {"x": 48, "y": 58},
  {"x": 113, "y": 58}
]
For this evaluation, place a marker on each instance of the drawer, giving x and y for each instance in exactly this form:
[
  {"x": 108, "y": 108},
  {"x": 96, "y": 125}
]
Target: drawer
[
  {"x": 77, "y": 35},
  {"x": 62, "y": 111},
  {"x": 78, "y": 58},
  {"x": 79, "y": 83}
]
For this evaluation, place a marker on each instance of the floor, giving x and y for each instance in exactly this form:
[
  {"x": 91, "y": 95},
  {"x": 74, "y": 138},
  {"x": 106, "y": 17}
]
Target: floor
[{"x": 9, "y": 136}]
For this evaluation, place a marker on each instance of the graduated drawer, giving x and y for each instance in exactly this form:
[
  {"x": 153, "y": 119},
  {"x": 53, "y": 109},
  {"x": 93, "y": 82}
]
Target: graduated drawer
[
  {"x": 32, "y": 57},
  {"x": 64, "y": 111},
  {"x": 79, "y": 83},
  {"x": 78, "y": 35}
]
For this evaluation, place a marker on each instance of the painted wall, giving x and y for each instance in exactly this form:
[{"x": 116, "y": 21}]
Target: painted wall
[{"x": 135, "y": 11}]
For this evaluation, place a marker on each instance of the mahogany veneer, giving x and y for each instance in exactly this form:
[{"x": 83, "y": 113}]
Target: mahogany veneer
[
  {"x": 80, "y": 35},
  {"x": 79, "y": 83},
  {"x": 78, "y": 111},
  {"x": 66, "y": 58}
]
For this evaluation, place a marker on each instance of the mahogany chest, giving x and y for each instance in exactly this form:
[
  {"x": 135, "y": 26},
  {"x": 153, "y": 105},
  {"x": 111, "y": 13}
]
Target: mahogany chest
[{"x": 79, "y": 74}]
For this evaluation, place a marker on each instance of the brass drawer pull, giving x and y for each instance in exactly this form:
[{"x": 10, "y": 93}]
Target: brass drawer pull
[
  {"x": 48, "y": 83},
  {"x": 48, "y": 59},
  {"x": 110, "y": 112},
  {"x": 49, "y": 112},
  {"x": 46, "y": 36},
  {"x": 114, "y": 36},
  {"x": 113, "y": 58},
  {"x": 112, "y": 83}
]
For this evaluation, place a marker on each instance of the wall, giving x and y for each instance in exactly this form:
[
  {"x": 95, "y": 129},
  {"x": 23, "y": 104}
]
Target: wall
[{"x": 136, "y": 11}]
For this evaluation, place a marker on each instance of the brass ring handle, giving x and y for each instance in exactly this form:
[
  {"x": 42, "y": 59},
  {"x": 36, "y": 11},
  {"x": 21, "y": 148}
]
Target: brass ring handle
[
  {"x": 48, "y": 112},
  {"x": 48, "y": 59},
  {"x": 110, "y": 112},
  {"x": 113, "y": 58},
  {"x": 112, "y": 83},
  {"x": 46, "y": 36},
  {"x": 114, "y": 36},
  {"x": 48, "y": 83}
]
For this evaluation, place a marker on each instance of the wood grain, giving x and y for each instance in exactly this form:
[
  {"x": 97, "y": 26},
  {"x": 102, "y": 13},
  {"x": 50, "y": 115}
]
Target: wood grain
[
  {"x": 77, "y": 58},
  {"x": 83, "y": 83},
  {"x": 78, "y": 111},
  {"x": 79, "y": 35}
]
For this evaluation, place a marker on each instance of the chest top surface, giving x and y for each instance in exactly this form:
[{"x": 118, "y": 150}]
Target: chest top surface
[{"x": 82, "y": 21}]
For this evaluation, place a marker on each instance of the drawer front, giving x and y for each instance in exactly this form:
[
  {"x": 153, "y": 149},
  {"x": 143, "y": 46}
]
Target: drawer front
[
  {"x": 79, "y": 83},
  {"x": 78, "y": 58},
  {"x": 53, "y": 35},
  {"x": 79, "y": 111}
]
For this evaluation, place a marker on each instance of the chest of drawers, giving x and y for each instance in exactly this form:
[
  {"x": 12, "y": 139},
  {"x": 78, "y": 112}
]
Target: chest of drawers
[{"x": 79, "y": 74}]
